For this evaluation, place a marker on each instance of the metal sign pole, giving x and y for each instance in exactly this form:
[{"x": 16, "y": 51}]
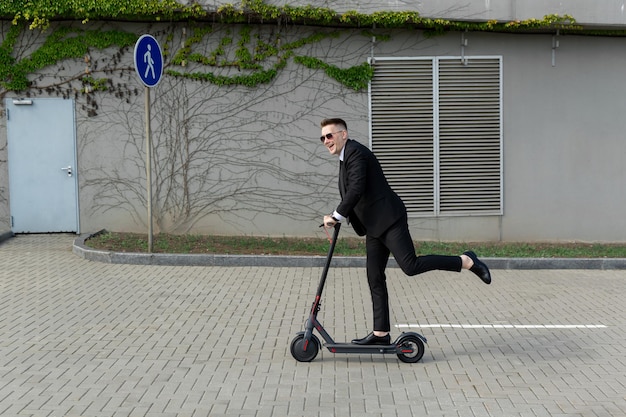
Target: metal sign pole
[
  {"x": 149, "y": 168},
  {"x": 149, "y": 66}
]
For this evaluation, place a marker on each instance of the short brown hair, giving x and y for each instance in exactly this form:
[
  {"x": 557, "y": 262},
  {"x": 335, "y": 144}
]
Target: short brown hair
[{"x": 334, "y": 121}]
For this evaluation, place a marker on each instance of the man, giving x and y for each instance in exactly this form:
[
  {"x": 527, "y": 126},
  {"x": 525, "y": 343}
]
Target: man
[{"x": 376, "y": 212}]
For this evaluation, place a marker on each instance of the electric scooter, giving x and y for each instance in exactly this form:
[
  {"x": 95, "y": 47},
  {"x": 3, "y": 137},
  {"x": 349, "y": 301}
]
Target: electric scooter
[{"x": 409, "y": 346}]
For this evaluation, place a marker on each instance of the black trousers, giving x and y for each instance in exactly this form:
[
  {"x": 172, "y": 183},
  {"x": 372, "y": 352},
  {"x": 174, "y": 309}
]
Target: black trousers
[{"x": 397, "y": 241}]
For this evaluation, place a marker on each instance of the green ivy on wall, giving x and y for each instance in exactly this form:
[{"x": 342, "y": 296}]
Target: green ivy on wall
[
  {"x": 38, "y": 14},
  {"x": 63, "y": 43},
  {"x": 251, "y": 51},
  {"x": 357, "y": 77}
]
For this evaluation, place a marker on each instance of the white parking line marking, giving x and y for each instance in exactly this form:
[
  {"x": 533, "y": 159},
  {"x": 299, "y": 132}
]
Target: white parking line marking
[{"x": 504, "y": 326}]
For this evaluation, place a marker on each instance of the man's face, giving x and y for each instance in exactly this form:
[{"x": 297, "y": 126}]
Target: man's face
[{"x": 336, "y": 142}]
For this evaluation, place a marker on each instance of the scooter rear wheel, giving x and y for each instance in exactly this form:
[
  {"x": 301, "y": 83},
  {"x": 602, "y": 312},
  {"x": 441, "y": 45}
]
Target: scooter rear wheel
[
  {"x": 414, "y": 348},
  {"x": 297, "y": 348}
]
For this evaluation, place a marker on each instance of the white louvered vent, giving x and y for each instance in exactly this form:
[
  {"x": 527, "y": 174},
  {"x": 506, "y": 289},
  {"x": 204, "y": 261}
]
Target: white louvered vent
[
  {"x": 469, "y": 135},
  {"x": 402, "y": 128},
  {"x": 436, "y": 129}
]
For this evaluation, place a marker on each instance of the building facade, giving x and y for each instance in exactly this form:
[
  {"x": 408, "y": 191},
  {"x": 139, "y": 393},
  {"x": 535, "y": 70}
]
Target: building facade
[{"x": 489, "y": 136}]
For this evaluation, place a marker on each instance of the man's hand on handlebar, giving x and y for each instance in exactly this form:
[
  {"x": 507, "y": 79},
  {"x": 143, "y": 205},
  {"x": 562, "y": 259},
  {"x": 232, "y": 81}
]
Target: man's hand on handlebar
[{"x": 329, "y": 221}]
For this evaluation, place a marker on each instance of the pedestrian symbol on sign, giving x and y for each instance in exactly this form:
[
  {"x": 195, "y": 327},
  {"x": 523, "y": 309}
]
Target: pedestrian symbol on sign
[{"x": 148, "y": 60}]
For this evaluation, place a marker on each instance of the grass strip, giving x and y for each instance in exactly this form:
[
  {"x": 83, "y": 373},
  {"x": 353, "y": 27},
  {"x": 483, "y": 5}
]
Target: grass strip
[{"x": 347, "y": 246}]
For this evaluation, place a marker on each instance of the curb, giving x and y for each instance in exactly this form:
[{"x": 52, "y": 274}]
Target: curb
[
  {"x": 6, "y": 236},
  {"x": 172, "y": 259},
  {"x": 80, "y": 249}
]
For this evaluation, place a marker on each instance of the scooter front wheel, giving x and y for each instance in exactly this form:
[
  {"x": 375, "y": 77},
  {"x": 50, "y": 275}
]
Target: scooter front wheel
[
  {"x": 298, "y": 350},
  {"x": 411, "y": 348}
]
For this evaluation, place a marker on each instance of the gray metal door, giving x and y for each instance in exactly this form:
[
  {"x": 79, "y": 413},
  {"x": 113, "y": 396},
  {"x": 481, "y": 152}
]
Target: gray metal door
[{"x": 43, "y": 186}]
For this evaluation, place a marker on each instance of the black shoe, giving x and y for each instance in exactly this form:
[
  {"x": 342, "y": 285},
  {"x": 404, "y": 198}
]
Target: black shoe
[
  {"x": 479, "y": 267},
  {"x": 372, "y": 339}
]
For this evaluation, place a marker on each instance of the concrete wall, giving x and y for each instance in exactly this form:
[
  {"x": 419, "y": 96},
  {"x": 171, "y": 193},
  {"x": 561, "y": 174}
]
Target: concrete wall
[
  {"x": 563, "y": 138},
  {"x": 258, "y": 167}
]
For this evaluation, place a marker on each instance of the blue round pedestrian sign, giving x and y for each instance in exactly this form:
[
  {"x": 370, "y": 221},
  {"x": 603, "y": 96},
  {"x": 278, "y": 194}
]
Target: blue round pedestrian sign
[{"x": 148, "y": 60}]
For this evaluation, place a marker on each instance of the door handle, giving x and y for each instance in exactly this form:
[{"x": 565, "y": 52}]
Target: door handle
[{"x": 68, "y": 169}]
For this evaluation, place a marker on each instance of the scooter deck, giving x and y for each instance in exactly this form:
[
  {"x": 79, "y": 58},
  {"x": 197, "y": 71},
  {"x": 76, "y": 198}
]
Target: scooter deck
[{"x": 367, "y": 349}]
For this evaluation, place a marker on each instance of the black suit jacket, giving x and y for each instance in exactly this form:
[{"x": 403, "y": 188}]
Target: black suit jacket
[{"x": 366, "y": 198}]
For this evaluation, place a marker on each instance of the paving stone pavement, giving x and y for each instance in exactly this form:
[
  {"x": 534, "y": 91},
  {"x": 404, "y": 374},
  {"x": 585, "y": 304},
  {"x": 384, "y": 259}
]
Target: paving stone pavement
[{"x": 90, "y": 339}]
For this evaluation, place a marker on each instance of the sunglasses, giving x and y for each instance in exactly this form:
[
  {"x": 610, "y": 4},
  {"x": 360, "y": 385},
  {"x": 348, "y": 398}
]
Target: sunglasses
[{"x": 329, "y": 135}]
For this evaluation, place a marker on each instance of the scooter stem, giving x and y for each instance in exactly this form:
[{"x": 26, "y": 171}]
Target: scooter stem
[
  {"x": 329, "y": 257},
  {"x": 310, "y": 323}
]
